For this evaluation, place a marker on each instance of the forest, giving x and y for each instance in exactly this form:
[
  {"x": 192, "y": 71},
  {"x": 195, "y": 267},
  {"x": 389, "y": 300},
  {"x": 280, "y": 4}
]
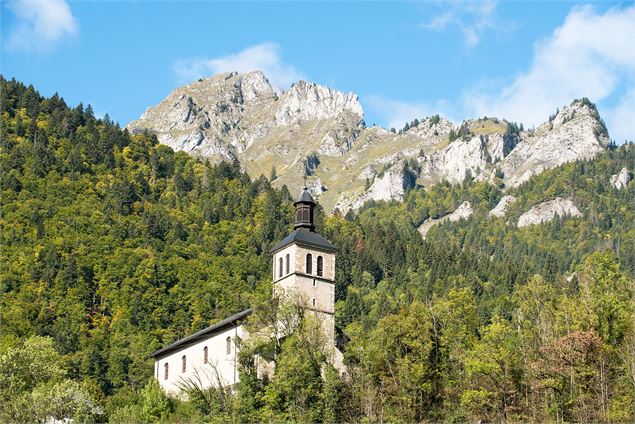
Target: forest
[{"x": 113, "y": 246}]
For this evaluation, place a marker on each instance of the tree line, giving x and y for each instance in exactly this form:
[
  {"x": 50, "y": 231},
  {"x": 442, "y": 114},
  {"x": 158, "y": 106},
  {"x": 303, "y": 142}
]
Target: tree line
[{"x": 114, "y": 246}]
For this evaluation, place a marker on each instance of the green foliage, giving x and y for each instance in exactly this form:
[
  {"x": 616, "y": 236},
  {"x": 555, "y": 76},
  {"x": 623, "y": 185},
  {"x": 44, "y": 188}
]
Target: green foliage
[
  {"x": 301, "y": 388},
  {"x": 114, "y": 246},
  {"x": 22, "y": 368},
  {"x": 149, "y": 404},
  {"x": 33, "y": 386},
  {"x": 514, "y": 128},
  {"x": 452, "y": 135},
  {"x": 155, "y": 405},
  {"x": 67, "y": 399}
]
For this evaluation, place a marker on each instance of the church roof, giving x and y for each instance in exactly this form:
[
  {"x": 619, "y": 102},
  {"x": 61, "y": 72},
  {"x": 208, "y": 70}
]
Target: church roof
[
  {"x": 305, "y": 196},
  {"x": 214, "y": 328},
  {"x": 307, "y": 238}
]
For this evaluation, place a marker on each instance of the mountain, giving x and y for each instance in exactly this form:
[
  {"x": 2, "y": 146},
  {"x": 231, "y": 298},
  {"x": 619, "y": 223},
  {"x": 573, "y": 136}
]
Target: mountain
[
  {"x": 114, "y": 245},
  {"x": 315, "y": 131}
]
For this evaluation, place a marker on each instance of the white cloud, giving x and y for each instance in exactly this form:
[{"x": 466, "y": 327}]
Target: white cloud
[
  {"x": 264, "y": 57},
  {"x": 473, "y": 18},
  {"x": 590, "y": 55},
  {"x": 39, "y": 24}
]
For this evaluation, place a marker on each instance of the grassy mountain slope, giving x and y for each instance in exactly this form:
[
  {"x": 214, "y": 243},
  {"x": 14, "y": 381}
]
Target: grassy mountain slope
[{"x": 316, "y": 132}]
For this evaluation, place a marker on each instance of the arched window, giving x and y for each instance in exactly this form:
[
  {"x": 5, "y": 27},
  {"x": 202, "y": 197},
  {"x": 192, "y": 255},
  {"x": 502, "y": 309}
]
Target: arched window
[
  {"x": 228, "y": 342},
  {"x": 280, "y": 268},
  {"x": 205, "y": 355},
  {"x": 184, "y": 364},
  {"x": 309, "y": 263},
  {"x": 288, "y": 263},
  {"x": 165, "y": 371},
  {"x": 320, "y": 266}
]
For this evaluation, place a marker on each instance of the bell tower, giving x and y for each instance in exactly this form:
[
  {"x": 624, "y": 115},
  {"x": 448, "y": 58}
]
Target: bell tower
[{"x": 304, "y": 263}]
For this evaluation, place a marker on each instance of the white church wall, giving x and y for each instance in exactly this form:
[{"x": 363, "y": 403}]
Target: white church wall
[{"x": 221, "y": 365}]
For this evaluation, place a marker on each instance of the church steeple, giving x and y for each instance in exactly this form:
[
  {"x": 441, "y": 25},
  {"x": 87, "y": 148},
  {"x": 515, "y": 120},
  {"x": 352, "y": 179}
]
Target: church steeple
[{"x": 304, "y": 211}]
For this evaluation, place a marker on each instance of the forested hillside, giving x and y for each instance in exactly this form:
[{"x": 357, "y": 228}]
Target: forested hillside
[{"x": 114, "y": 245}]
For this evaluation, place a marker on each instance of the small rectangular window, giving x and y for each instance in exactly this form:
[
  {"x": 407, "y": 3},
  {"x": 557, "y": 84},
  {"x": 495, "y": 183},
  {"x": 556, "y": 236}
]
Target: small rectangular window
[{"x": 313, "y": 301}]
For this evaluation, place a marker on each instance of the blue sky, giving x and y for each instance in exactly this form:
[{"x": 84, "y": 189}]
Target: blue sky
[{"x": 515, "y": 60}]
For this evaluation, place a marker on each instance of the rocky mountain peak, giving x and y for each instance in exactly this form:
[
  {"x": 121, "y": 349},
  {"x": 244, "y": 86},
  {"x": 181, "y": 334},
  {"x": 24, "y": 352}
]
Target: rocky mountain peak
[
  {"x": 225, "y": 114},
  {"x": 431, "y": 128},
  {"x": 255, "y": 85},
  {"x": 308, "y": 101},
  {"x": 243, "y": 116},
  {"x": 576, "y": 132}
]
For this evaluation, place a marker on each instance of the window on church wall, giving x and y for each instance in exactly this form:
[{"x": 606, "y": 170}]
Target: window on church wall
[
  {"x": 320, "y": 266},
  {"x": 309, "y": 263},
  {"x": 165, "y": 371},
  {"x": 288, "y": 263},
  {"x": 205, "y": 355},
  {"x": 228, "y": 347},
  {"x": 298, "y": 215},
  {"x": 280, "y": 268},
  {"x": 313, "y": 301},
  {"x": 306, "y": 212},
  {"x": 184, "y": 364}
]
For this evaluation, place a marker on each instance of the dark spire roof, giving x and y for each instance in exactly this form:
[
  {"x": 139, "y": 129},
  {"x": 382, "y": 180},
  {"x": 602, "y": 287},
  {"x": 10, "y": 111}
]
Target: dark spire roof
[
  {"x": 307, "y": 238},
  {"x": 305, "y": 197}
]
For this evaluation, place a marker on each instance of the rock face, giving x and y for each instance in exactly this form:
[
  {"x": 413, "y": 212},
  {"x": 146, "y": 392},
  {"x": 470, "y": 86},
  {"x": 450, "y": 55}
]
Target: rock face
[
  {"x": 547, "y": 211},
  {"x": 242, "y": 116},
  {"x": 575, "y": 133},
  {"x": 469, "y": 156},
  {"x": 621, "y": 180},
  {"x": 389, "y": 186},
  {"x": 462, "y": 212},
  {"x": 500, "y": 210},
  {"x": 307, "y": 101},
  {"x": 224, "y": 115}
]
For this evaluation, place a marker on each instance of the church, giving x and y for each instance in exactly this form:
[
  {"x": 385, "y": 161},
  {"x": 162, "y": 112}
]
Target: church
[{"x": 303, "y": 265}]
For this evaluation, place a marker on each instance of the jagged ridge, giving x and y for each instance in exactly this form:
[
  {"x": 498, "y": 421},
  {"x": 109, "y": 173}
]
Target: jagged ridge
[{"x": 241, "y": 115}]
